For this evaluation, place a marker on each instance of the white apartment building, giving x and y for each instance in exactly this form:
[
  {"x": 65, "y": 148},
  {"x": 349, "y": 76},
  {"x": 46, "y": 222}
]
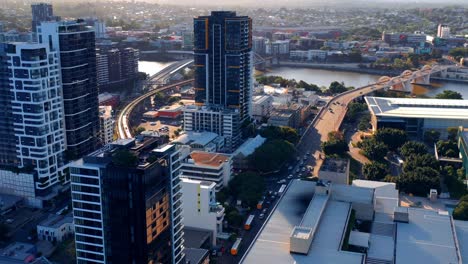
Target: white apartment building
[
  {"x": 55, "y": 228},
  {"x": 262, "y": 106},
  {"x": 225, "y": 123},
  {"x": 201, "y": 211},
  {"x": 36, "y": 130},
  {"x": 101, "y": 68},
  {"x": 206, "y": 166},
  {"x": 106, "y": 124}
]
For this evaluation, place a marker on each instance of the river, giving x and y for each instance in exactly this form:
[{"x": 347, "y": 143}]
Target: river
[{"x": 325, "y": 77}]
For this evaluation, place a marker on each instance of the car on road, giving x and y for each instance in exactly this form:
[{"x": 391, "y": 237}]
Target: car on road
[
  {"x": 281, "y": 181},
  {"x": 290, "y": 176},
  {"x": 261, "y": 216},
  {"x": 264, "y": 211},
  {"x": 298, "y": 170},
  {"x": 153, "y": 123}
]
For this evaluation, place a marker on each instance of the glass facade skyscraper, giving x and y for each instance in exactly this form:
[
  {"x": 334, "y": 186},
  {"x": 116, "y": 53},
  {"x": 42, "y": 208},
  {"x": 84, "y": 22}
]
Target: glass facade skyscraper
[
  {"x": 76, "y": 45},
  {"x": 223, "y": 75},
  {"x": 128, "y": 210},
  {"x": 31, "y": 127},
  {"x": 223, "y": 61}
]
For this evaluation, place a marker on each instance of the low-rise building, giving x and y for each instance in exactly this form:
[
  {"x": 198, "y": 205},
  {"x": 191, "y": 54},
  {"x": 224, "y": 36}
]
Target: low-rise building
[
  {"x": 207, "y": 166},
  {"x": 315, "y": 231},
  {"x": 335, "y": 170},
  {"x": 286, "y": 116},
  {"x": 20, "y": 253},
  {"x": 262, "y": 106},
  {"x": 205, "y": 141},
  {"x": 55, "y": 228},
  {"x": 200, "y": 209},
  {"x": 240, "y": 156},
  {"x": 106, "y": 124},
  {"x": 416, "y": 116}
]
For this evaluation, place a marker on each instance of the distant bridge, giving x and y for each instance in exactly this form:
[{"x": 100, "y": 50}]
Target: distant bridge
[
  {"x": 258, "y": 59},
  {"x": 404, "y": 81}
]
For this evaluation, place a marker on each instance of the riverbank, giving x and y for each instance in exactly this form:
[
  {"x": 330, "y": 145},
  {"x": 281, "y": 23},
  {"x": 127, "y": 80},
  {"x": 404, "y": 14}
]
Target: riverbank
[{"x": 343, "y": 67}]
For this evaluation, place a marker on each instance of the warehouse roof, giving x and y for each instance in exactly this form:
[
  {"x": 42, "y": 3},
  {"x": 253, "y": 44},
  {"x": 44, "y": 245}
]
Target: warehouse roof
[{"x": 418, "y": 108}]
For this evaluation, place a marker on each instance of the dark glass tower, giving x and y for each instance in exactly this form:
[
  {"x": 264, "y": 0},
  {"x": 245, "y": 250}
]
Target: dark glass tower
[
  {"x": 223, "y": 61},
  {"x": 127, "y": 204},
  {"x": 76, "y": 43},
  {"x": 41, "y": 12}
]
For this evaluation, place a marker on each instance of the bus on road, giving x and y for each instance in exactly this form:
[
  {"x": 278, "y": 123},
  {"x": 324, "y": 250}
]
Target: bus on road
[
  {"x": 249, "y": 221},
  {"x": 236, "y": 246},
  {"x": 281, "y": 190}
]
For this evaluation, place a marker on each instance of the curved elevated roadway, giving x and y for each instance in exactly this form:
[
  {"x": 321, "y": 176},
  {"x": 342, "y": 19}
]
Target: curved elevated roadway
[{"x": 123, "y": 126}]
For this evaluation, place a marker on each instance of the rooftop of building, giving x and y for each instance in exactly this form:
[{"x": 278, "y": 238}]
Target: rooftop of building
[
  {"x": 249, "y": 146},
  {"x": 56, "y": 221},
  {"x": 335, "y": 165},
  {"x": 207, "y": 184},
  {"x": 427, "y": 238},
  {"x": 258, "y": 99},
  {"x": 200, "y": 138},
  {"x": 173, "y": 107},
  {"x": 461, "y": 229},
  {"x": 298, "y": 208},
  {"x": 105, "y": 111},
  {"x": 203, "y": 158},
  {"x": 196, "y": 238},
  {"x": 418, "y": 108},
  {"x": 195, "y": 255},
  {"x": 17, "y": 251}
]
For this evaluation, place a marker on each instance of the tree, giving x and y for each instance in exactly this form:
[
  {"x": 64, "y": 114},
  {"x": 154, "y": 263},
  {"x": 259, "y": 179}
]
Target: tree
[
  {"x": 124, "y": 158},
  {"x": 336, "y": 87},
  {"x": 448, "y": 148},
  {"x": 354, "y": 109},
  {"x": 458, "y": 53},
  {"x": 419, "y": 181},
  {"x": 234, "y": 218},
  {"x": 271, "y": 155},
  {"x": 247, "y": 187},
  {"x": 452, "y": 133},
  {"x": 431, "y": 136},
  {"x": 393, "y": 138},
  {"x": 373, "y": 149},
  {"x": 374, "y": 171},
  {"x": 413, "y": 148},
  {"x": 461, "y": 211},
  {"x": 336, "y": 144},
  {"x": 138, "y": 130},
  {"x": 449, "y": 94},
  {"x": 283, "y": 132},
  {"x": 419, "y": 161}
]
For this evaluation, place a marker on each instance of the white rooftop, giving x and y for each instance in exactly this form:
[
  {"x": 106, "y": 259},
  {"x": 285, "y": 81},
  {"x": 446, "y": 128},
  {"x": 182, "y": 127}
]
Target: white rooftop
[
  {"x": 461, "y": 228},
  {"x": 418, "y": 108},
  {"x": 190, "y": 137},
  {"x": 249, "y": 146},
  {"x": 272, "y": 244},
  {"x": 427, "y": 238}
]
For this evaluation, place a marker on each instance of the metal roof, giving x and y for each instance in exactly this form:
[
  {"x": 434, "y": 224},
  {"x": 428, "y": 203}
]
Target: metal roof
[
  {"x": 418, "y": 108},
  {"x": 427, "y": 238}
]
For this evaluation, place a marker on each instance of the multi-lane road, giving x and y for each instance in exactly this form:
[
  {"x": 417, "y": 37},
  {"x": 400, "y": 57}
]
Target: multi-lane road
[{"x": 154, "y": 86}]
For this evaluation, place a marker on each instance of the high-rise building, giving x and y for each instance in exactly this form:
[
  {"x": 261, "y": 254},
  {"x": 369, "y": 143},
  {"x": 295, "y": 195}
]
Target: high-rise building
[
  {"x": 127, "y": 204},
  {"x": 201, "y": 210},
  {"x": 75, "y": 43},
  {"x": 129, "y": 63},
  {"x": 443, "y": 31},
  {"x": 116, "y": 66},
  {"x": 41, "y": 12},
  {"x": 106, "y": 123},
  {"x": 223, "y": 70},
  {"x": 223, "y": 61},
  {"x": 31, "y": 121}
]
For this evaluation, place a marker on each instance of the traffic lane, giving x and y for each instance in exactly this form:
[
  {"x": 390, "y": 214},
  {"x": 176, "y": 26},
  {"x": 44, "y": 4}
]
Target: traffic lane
[{"x": 247, "y": 236}]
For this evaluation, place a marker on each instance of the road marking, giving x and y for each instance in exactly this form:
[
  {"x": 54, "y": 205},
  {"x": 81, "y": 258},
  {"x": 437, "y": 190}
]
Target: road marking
[{"x": 271, "y": 241}]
